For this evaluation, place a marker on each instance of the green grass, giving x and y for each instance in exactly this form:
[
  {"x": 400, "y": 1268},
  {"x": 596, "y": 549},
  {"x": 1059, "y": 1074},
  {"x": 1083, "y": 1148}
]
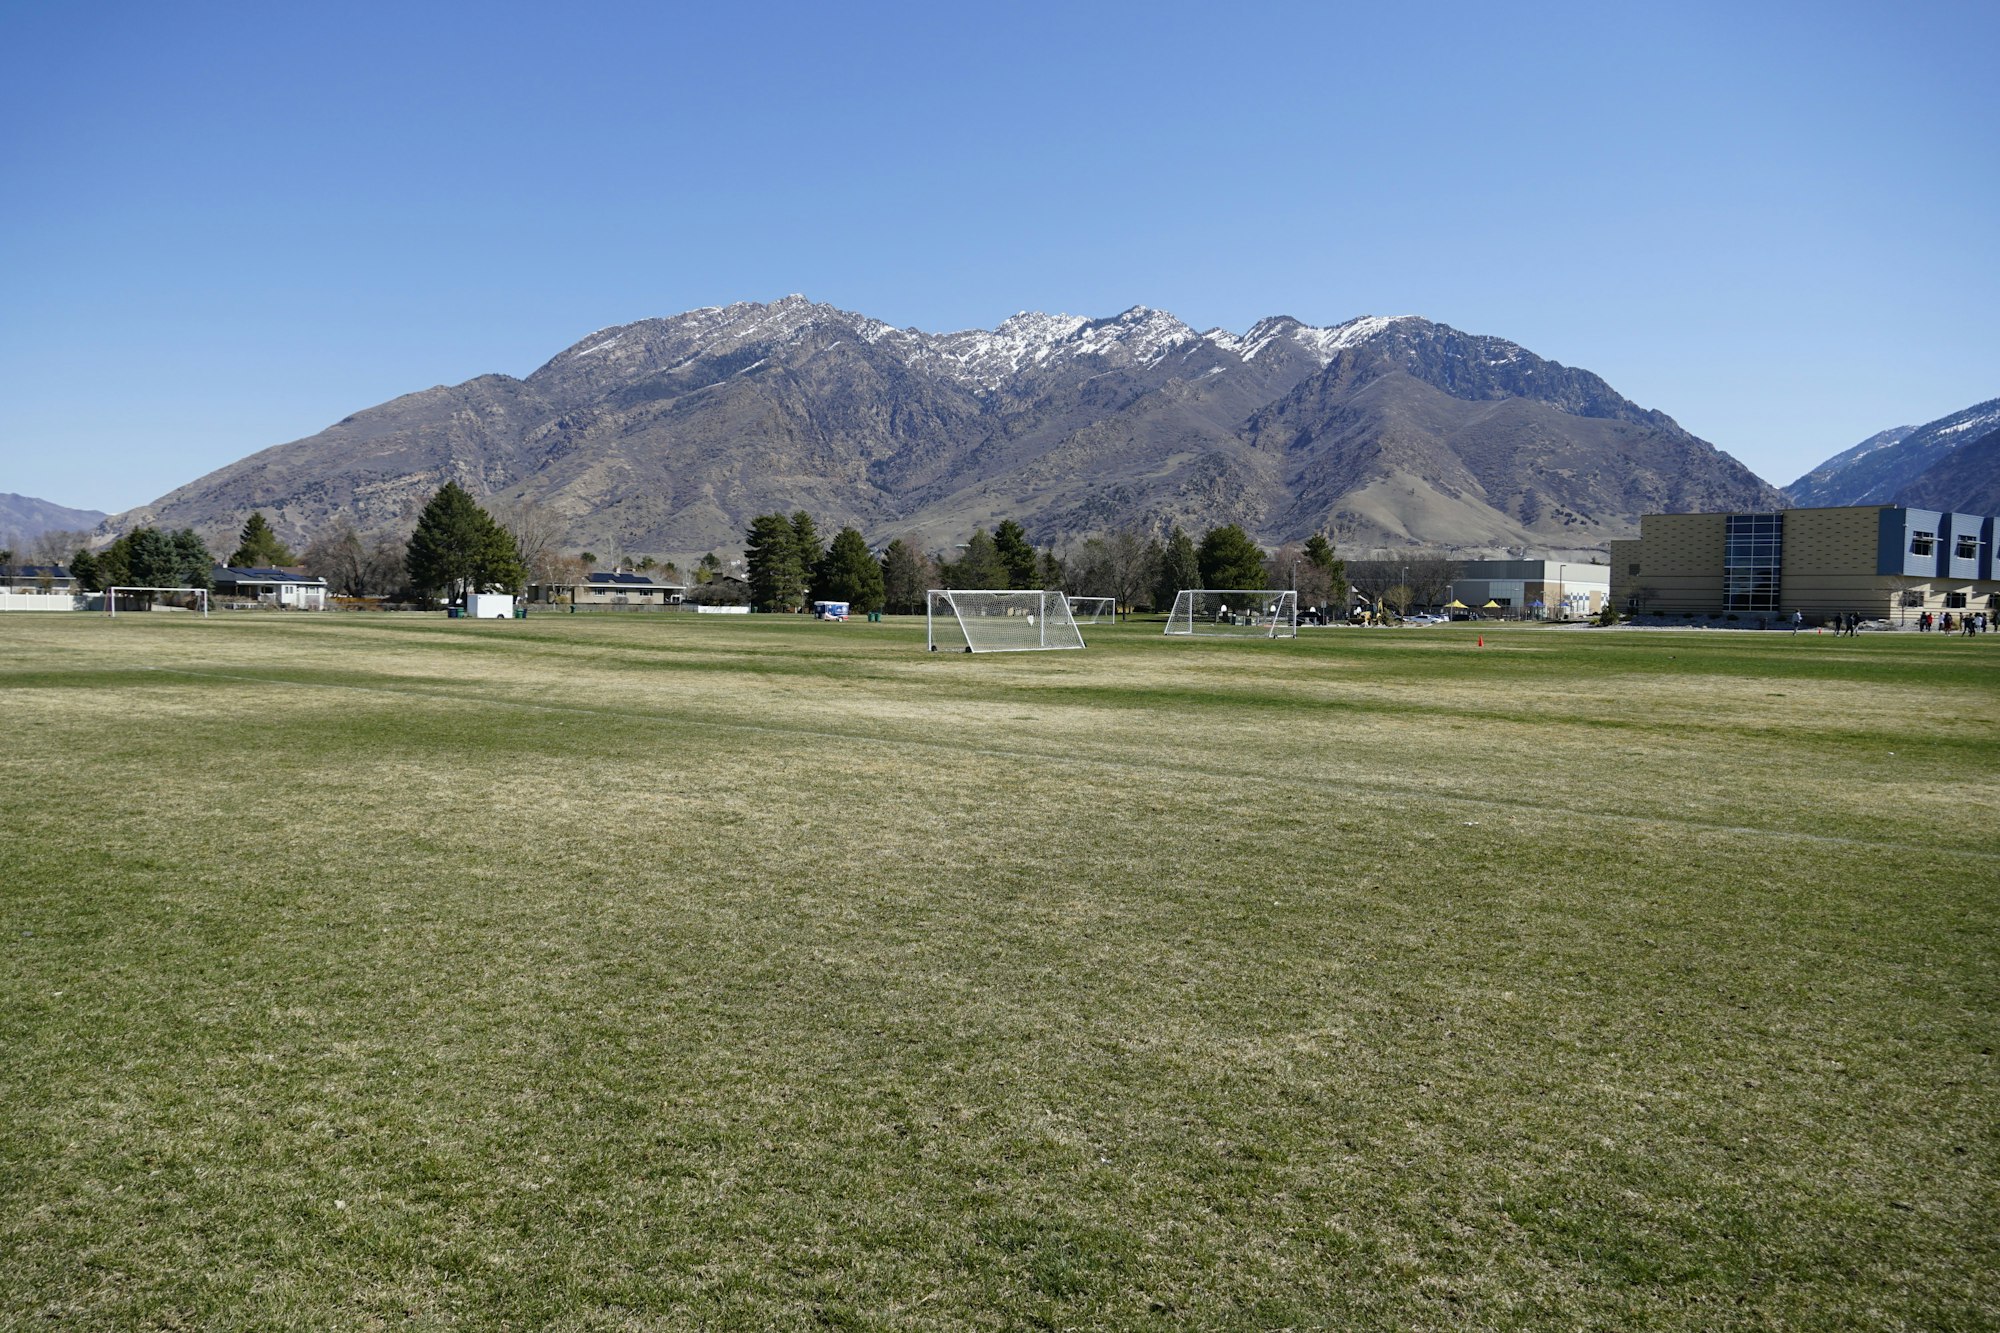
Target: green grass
[{"x": 660, "y": 973}]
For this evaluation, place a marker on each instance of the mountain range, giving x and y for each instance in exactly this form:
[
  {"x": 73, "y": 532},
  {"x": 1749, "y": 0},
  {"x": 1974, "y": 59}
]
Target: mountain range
[
  {"x": 667, "y": 436},
  {"x": 1950, "y": 463},
  {"x": 24, "y": 518}
]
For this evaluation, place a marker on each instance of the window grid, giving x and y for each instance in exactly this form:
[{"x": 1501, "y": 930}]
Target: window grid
[{"x": 1753, "y": 561}]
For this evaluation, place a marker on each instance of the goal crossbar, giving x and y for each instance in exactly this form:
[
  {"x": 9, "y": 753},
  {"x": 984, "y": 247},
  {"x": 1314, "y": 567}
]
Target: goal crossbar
[
  {"x": 998, "y": 620},
  {"x": 111, "y": 596},
  {"x": 1262, "y": 613}
]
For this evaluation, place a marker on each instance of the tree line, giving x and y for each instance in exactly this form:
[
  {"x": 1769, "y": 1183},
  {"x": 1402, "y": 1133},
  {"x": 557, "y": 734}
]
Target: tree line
[
  {"x": 789, "y": 567},
  {"x": 459, "y": 546}
]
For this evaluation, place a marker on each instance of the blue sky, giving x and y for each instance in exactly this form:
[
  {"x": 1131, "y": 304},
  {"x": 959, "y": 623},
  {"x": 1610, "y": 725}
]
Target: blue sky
[{"x": 223, "y": 227}]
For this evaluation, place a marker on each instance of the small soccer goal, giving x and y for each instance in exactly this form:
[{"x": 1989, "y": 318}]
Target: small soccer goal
[
  {"x": 145, "y": 599},
  {"x": 1251, "y": 613},
  {"x": 998, "y": 620},
  {"x": 1093, "y": 610}
]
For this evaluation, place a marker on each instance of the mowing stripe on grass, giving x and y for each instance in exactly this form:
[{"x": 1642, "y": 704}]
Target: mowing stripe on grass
[{"x": 1075, "y": 760}]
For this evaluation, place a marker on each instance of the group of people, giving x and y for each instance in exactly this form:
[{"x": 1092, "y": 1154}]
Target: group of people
[{"x": 1967, "y": 622}]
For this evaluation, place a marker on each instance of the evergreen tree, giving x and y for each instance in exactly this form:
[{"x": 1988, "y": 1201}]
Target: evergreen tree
[
  {"x": 1180, "y": 567},
  {"x": 906, "y": 578},
  {"x": 849, "y": 574},
  {"x": 83, "y": 567},
  {"x": 259, "y": 546},
  {"x": 151, "y": 560},
  {"x": 1051, "y": 570},
  {"x": 1331, "y": 571},
  {"x": 811, "y": 552},
  {"x": 193, "y": 565},
  {"x": 458, "y": 548},
  {"x": 771, "y": 551},
  {"x": 1229, "y": 559},
  {"x": 978, "y": 567},
  {"x": 1016, "y": 556},
  {"x": 114, "y": 565}
]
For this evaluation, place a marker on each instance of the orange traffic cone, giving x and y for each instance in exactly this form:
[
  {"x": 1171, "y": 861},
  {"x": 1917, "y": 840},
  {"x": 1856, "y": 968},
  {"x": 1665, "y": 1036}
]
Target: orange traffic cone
[{"x": 1482, "y": 641}]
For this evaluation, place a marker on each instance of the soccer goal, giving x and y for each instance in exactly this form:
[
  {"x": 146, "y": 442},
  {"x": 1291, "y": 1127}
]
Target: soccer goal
[
  {"x": 1262, "y": 613},
  {"x": 1093, "y": 610},
  {"x": 976, "y": 620},
  {"x": 142, "y": 599}
]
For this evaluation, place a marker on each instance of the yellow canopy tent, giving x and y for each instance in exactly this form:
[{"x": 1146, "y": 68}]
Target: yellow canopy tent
[{"x": 1455, "y": 605}]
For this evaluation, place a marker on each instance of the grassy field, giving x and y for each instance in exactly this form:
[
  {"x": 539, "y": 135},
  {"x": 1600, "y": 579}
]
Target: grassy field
[{"x": 368, "y": 972}]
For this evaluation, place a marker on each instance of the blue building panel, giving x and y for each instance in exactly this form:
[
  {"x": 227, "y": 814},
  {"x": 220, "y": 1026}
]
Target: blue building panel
[
  {"x": 1964, "y": 545},
  {"x": 1912, "y": 542}
]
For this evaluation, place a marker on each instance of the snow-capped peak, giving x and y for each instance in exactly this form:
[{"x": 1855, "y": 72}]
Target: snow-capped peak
[{"x": 1322, "y": 343}]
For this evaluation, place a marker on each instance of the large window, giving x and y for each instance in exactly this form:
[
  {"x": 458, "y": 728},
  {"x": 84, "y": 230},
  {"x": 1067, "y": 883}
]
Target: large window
[
  {"x": 1955, "y": 600},
  {"x": 1968, "y": 547},
  {"x": 1753, "y": 562},
  {"x": 1923, "y": 543}
]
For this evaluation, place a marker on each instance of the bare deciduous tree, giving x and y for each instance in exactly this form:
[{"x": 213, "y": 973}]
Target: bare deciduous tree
[
  {"x": 56, "y": 545},
  {"x": 352, "y": 565},
  {"x": 537, "y": 531},
  {"x": 1119, "y": 564}
]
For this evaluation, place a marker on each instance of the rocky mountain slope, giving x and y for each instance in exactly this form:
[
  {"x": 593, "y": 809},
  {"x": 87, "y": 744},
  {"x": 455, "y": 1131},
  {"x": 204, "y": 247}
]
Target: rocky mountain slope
[
  {"x": 667, "y": 435},
  {"x": 1883, "y": 466},
  {"x": 23, "y": 518},
  {"x": 1967, "y": 479}
]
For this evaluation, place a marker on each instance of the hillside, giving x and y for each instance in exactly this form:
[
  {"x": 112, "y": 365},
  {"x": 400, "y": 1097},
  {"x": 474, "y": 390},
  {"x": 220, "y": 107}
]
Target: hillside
[
  {"x": 24, "y": 518},
  {"x": 668, "y": 435},
  {"x": 1880, "y": 468},
  {"x": 1967, "y": 479}
]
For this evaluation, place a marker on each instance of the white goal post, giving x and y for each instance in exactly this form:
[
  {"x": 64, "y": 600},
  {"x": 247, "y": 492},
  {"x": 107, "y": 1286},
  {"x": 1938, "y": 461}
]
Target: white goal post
[
  {"x": 196, "y": 598},
  {"x": 1261, "y": 613},
  {"x": 998, "y": 620},
  {"x": 1093, "y": 610}
]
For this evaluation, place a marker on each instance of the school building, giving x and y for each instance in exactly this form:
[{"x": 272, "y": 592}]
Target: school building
[{"x": 1886, "y": 562}]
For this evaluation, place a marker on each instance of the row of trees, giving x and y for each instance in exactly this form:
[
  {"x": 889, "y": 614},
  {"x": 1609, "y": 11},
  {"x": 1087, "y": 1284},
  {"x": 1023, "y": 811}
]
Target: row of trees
[
  {"x": 789, "y": 567},
  {"x": 458, "y": 547}
]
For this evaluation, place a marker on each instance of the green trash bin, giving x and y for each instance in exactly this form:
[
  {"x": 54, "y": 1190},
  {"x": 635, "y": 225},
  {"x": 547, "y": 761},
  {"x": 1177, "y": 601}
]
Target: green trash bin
[{"x": 520, "y": 613}]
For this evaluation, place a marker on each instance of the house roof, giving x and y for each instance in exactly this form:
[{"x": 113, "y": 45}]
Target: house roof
[
  {"x": 259, "y": 574},
  {"x": 624, "y": 580},
  {"x": 41, "y": 571}
]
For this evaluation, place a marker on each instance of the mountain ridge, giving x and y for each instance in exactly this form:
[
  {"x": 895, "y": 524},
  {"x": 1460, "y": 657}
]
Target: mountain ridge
[
  {"x": 1883, "y": 467},
  {"x": 26, "y": 517},
  {"x": 667, "y": 434}
]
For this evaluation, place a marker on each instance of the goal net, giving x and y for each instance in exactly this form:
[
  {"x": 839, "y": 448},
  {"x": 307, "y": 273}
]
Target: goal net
[
  {"x": 1262, "y": 613},
  {"x": 146, "y": 599},
  {"x": 975, "y": 620},
  {"x": 1093, "y": 610}
]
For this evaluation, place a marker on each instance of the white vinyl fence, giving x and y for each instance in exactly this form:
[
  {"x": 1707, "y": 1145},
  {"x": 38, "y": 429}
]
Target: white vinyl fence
[{"x": 23, "y": 599}]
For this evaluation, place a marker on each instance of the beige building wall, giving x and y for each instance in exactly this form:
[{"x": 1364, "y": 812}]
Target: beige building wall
[
  {"x": 1679, "y": 560},
  {"x": 1625, "y": 565},
  {"x": 1829, "y": 563}
]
